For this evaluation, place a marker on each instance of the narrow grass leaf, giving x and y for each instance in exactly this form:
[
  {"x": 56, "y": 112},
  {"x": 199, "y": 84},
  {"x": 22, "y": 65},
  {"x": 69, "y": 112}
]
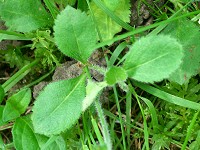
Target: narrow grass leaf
[
  {"x": 120, "y": 116},
  {"x": 59, "y": 106},
  {"x": 145, "y": 130},
  {"x": 153, "y": 58},
  {"x": 128, "y": 116},
  {"x": 116, "y": 53},
  {"x": 20, "y": 15},
  {"x": 142, "y": 29},
  {"x": 153, "y": 113},
  {"x": 97, "y": 131},
  {"x": 168, "y": 97},
  {"x": 16, "y": 104},
  {"x": 2, "y": 93},
  {"x": 75, "y": 34},
  {"x": 189, "y": 130},
  {"x": 52, "y": 8}
]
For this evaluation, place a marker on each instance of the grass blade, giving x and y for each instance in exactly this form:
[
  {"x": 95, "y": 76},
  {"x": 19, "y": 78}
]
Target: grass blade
[
  {"x": 146, "y": 133},
  {"x": 142, "y": 29},
  {"x": 53, "y": 10},
  {"x": 189, "y": 131},
  {"x": 116, "y": 53},
  {"x": 153, "y": 113},
  {"x": 128, "y": 116},
  {"x": 168, "y": 97}
]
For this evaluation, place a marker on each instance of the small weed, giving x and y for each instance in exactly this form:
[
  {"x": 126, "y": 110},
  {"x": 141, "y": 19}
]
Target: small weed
[{"x": 148, "y": 97}]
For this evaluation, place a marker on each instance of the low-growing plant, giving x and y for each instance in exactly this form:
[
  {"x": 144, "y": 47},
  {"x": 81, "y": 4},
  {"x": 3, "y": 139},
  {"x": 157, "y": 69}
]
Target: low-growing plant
[{"x": 169, "y": 52}]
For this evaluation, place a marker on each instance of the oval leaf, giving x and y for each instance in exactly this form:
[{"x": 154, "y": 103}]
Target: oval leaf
[
  {"x": 187, "y": 33},
  {"x": 20, "y": 15},
  {"x": 25, "y": 139},
  {"x": 16, "y": 104},
  {"x": 75, "y": 34},
  {"x": 115, "y": 74},
  {"x": 153, "y": 58},
  {"x": 59, "y": 106},
  {"x": 23, "y": 135}
]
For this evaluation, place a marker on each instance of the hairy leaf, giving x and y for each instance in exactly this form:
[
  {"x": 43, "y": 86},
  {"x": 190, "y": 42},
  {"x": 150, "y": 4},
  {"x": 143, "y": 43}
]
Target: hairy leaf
[
  {"x": 153, "y": 58},
  {"x": 75, "y": 34},
  {"x": 115, "y": 74},
  {"x": 59, "y": 106},
  {"x": 16, "y": 104},
  {"x": 107, "y": 27},
  {"x": 24, "y": 16},
  {"x": 188, "y": 35},
  {"x": 24, "y": 137},
  {"x": 92, "y": 91}
]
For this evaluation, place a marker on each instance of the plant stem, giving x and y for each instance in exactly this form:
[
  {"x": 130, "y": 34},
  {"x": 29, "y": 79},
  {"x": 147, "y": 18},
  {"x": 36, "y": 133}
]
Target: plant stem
[{"x": 104, "y": 124}]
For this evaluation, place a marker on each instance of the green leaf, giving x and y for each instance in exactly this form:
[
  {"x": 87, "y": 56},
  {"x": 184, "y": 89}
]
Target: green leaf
[
  {"x": 16, "y": 104},
  {"x": 2, "y": 93},
  {"x": 108, "y": 27},
  {"x": 153, "y": 58},
  {"x": 115, "y": 75},
  {"x": 24, "y": 16},
  {"x": 92, "y": 91},
  {"x": 59, "y": 106},
  {"x": 23, "y": 135},
  {"x": 52, "y": 143},
  {"x": 1, "y": 116},
  {"x": 25, "y": 139},
  {"x": 187, "y": 33},
  {"x": 75, "y": 34},
  {"x": 160, "y": 141}
]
